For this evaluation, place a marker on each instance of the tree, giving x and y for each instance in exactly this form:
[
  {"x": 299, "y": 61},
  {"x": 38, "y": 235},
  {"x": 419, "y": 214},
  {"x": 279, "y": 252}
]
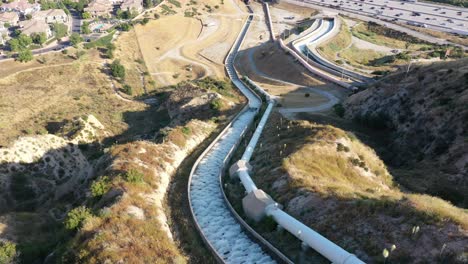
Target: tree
[
  {"x": 28, "y": 17},
  {"x": 14, "y": 44},
  {"x": 85, "y": 28},
  {"x": 117, "y": 69},
  {"x": 25, "y": 55},
  {"x": 24, "y": 40},
  {"x": 86, "y": 15},
  {"x": 60, "y": 30},
  {"x": 125, "y": 27},
  {"x": 39, "y": 38},
  {"x": 75, "y": 39}
]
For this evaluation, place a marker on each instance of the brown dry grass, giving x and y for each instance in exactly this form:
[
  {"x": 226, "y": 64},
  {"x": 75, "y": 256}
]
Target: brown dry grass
[
  {"x": 129, "y": 54},
  {"x": 173, "y": 43},
  {"x": 442, "y": 35},
  {"x": 300, "y": 10},
  {"x": 31, "y": 99},
  {"x": 331, "y": 47},
  {"x": 361, "y": 210},
  {"x": 10, "y": 67}
]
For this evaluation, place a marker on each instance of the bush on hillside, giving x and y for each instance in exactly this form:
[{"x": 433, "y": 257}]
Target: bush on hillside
[
  {"x": 339, "y": 110},
  {"x": 117, "y": 69},
  {"x": 133, "y": 176},
  {"x": 7, "y": 252},
  {"x": 76, "y": 217},
  {"x": 100, "y": 187}
]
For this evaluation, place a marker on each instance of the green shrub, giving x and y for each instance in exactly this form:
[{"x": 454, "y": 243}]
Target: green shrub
[
  {"x": 100, "y": 187},
  {"x": 186, "y": 130},
  {"x": 60, "y": 30},
  {"x": 339, "y": 110},
  {"x": 127, "y": 89},
  {"x": 216, "y": 104},
  {"x": 25, "y": 55},
  {"x": 7, "y": 252},
  {"x": 76, "y": 217},
  {"x": 269, "y": 223},
  {"x": 144, "y": 21},
  {"x": 175, "y": 2},
  {"x": 134, "y": 176},
  {"x": 117, "y": 69}
]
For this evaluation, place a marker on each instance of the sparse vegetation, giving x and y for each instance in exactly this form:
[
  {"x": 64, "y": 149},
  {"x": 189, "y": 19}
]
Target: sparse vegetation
[
  {"x": 7, "y": 252},
  {"x": 100, "y": 187},
  {"x": 117, "y": 69},
  {"x": 346, "y": 180},
  {"x": 76, "y": 217},
  {"x": 133, "y": 176}
]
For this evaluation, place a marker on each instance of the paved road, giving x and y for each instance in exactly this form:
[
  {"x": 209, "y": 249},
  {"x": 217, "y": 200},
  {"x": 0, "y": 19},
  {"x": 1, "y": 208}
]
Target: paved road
[
  {"x": 75, "y": 21},
  {"x": 332, "y": 100},
  {"x": 54, "y": 48},
  {"x": 363, "y": 17},
  {"x": 440, "y": 18}
]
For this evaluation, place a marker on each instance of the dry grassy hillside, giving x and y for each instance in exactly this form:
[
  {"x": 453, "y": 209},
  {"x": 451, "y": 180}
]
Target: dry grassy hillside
[
  {"x": 426, "y": 114},
  {"x": 49, "y": 191},
  {"x": 128, "y": 223},
  {"x": 335, "y": 184}
]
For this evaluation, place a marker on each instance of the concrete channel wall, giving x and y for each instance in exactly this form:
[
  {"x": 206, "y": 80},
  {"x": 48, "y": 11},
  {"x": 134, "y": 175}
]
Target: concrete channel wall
[
  {"x": 307, "y": 44},
  {"x": 226, "y": 234},
  {"x": 314, "y": 70},
  {"x": 269, "y": 22}
]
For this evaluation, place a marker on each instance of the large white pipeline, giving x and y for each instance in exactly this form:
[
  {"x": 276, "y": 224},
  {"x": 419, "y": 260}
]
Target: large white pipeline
[
  {"x": 308, "y": 236},
  {"x": 325, "y": 247},
  {"x": 304, "y": 233},
  {"x": 270, "y": 23},
  {"x": 314, "y": 70}
]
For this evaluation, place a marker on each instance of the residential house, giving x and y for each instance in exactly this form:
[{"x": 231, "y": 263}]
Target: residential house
[
  {"x": 22, "y": 7},
  {"x": 99, "y": 8},
  {"x": 51, "y": 16},
  {"x": 10, "y": 18},
  {"x": 30, "y": 27},
  {"x": 132, "y": 6}
]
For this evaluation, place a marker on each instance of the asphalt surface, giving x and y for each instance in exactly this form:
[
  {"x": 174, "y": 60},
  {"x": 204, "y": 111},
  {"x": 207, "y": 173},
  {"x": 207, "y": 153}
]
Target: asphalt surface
[
  {"x": 367, "y": 18},
  {"x": 437, "y": 17}
]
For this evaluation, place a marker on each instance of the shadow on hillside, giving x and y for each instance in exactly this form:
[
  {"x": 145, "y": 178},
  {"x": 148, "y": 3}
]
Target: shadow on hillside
[
  {"x": 32, "y": 190},
  {"x": 381, "y": 140},
  {"x": 363, "y": 225}
]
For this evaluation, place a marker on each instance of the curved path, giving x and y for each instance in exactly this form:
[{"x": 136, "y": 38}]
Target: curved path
[
  {"x": 332, "y": 100},
  {"x": 307, "y": 46}
]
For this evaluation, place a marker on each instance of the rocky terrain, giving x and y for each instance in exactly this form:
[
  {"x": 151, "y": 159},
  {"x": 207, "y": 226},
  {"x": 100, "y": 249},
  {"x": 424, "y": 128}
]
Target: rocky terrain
[
  {"x": 337, "y": 185},
  {"x": 426, "y": 114},
  {"x": 72, "y": 197}
]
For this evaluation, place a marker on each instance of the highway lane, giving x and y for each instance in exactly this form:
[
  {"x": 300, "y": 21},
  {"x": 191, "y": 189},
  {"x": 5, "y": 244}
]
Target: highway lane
[
  {"x": 367, "y": 18},
  {"x": 438, "y": 18}
]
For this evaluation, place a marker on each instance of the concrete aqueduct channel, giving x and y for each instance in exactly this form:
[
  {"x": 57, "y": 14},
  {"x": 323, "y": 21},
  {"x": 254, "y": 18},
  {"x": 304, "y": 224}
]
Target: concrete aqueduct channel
[
  {"x": 226, "y": 234},
  {"x": 218, "y": 226}
]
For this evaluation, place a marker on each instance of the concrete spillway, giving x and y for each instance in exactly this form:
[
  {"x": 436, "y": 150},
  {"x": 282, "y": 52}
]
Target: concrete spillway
[{"x": 218, "y": 226}]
